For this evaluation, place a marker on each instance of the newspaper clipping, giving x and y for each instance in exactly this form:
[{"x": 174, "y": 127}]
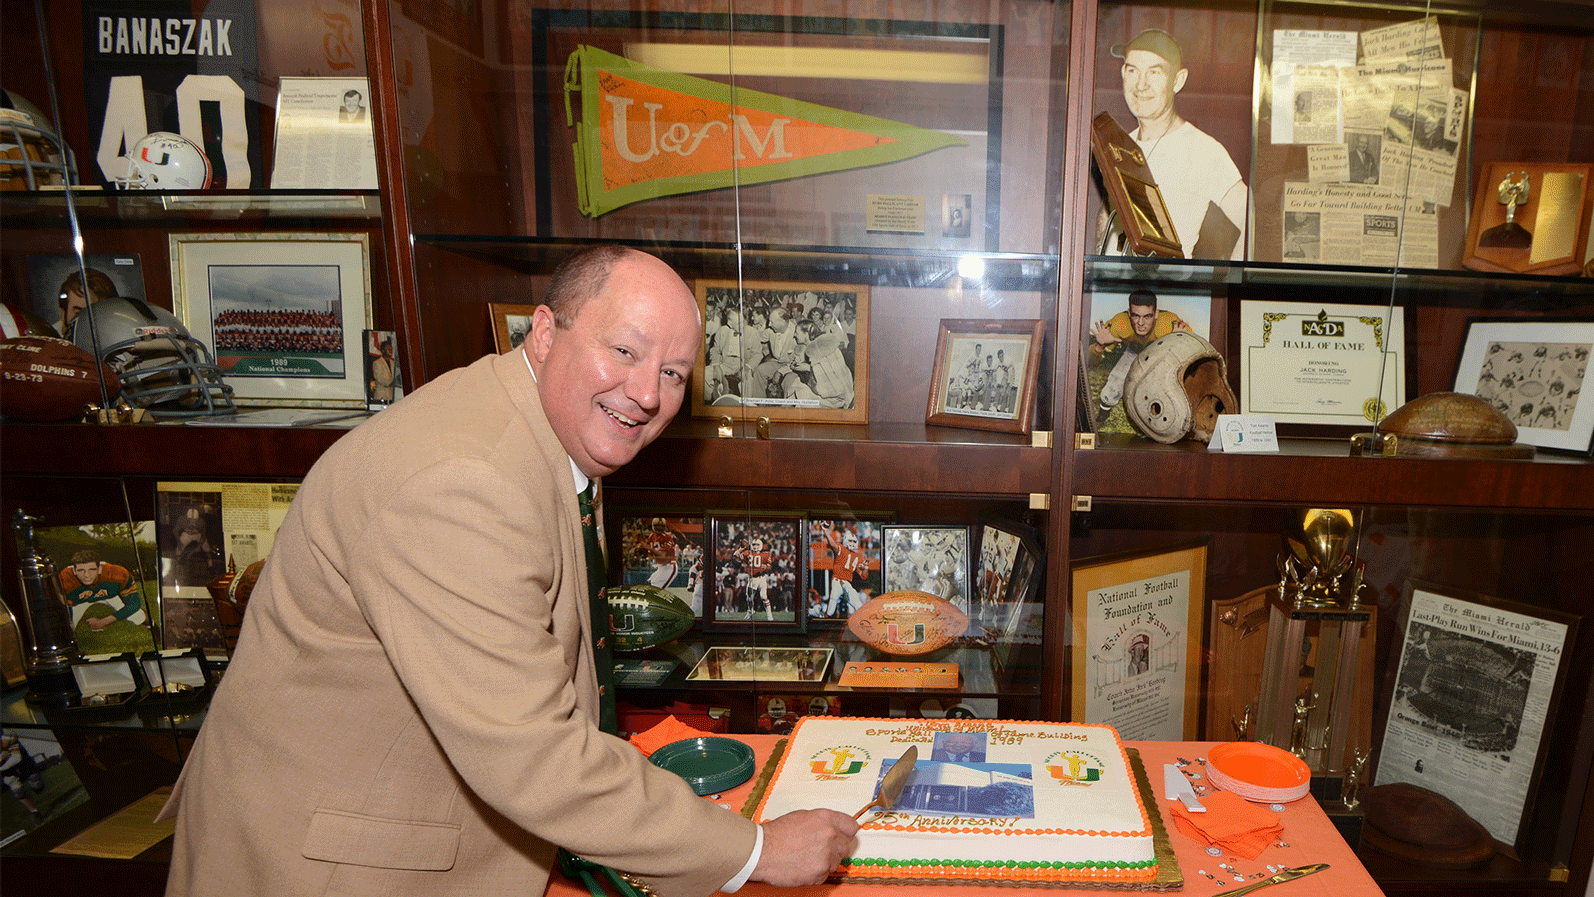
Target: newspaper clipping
[
  {"x": 1472, "y": 697},
  {"x": 1358, "y": 224}
]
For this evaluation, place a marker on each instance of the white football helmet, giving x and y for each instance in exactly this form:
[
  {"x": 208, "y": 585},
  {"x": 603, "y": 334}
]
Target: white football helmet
[
  {"x": 161, "y": 160},
  {"x": 1177, "y": 387},
  {"x": 31, "y": 153},
  {"x": 162, "y": 367}
]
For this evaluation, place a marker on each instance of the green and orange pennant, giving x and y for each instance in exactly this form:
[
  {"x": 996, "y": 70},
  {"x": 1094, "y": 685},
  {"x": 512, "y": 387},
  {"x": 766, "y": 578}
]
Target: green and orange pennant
[{"x": 646, "y": 133}]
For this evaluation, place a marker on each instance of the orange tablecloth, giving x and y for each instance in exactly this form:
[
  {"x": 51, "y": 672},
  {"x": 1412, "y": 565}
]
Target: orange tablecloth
[{"x": 1309, "y": 837}]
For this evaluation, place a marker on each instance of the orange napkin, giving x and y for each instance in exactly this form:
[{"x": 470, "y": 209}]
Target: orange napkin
[
  {"x": 668, "y": 731},
  {"x": 1230, "y": 822}
]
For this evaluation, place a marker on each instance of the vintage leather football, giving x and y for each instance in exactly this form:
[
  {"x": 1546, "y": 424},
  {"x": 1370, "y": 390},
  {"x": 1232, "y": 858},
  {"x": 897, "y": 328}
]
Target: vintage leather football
[
  {"x": 1453, "y": 424},
  {"x": 908, "y": 622},
  {"x": 644, "y": 616},
  {"x": 43, "y": 378}
]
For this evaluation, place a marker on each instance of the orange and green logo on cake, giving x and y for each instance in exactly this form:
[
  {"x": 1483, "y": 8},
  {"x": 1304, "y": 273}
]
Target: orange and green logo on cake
[
  {"x": 838, "y": 762},
  {"x": 1074, "y": 768}
]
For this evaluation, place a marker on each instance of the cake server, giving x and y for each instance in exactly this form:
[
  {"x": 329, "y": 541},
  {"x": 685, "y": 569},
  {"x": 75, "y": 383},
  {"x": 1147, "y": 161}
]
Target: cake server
[
  {"x": 1177, "y": 787},
  {"x": 891, "y": 784},
  {"x": 1282, "y": 876}
]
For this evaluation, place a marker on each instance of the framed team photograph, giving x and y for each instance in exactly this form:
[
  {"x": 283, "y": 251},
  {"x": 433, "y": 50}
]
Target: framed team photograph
[
  {"x": 511, "y": 323},
  {"x": 845, "y": 566},
  {"x": 755, "y": 573},
  {"x": 1533, "y": 369},
  {"x": 985, "y": 374},
  {"x": 283, "y": 313},
  {"x": 665, "y": 550},
  {"x": 783, "y": 351},
  {"x": 1473, "y": 697},
  {"x": 933, "y": 559}
]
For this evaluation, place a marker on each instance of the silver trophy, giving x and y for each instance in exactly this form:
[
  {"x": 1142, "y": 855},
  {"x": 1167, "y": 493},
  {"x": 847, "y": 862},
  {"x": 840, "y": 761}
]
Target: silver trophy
[{"x": 51, "y": 648}]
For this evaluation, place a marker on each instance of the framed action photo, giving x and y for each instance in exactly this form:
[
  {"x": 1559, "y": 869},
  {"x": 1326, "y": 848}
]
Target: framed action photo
[
  {"x": 785, "y": 351},
  {"x": 985, "y": 374},
  {"x": 1136, "y": 652},
  {"x": 933, "y": 559},
  {"x": 511, "y": 323},
  {"x": 283, "y": 313},
  {"x": 1007, "y": 574},
  {"x": 1533, "y": 370},
  {"x": 845, "y": 566},
  {"x": 1474, "y": 692},
  {"x": 665, "y": 550},
  {"x": 755, "y": 572},
  {"x": 1122, "y": 320}
]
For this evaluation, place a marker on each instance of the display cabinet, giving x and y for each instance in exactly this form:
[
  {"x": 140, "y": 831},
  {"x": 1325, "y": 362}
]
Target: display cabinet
[{"x": 919, "y": 178}]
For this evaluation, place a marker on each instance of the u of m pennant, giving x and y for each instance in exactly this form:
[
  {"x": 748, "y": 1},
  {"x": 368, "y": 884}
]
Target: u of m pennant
[{"x": 645, "y": 133}]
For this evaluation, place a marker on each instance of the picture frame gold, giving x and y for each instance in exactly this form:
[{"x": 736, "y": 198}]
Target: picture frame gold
[
  {"x": 811, "y": 368},
  {"x": 511, "y": 323},
  {"x": 1137, "y": 628},
  {"x": 1133, "y": 193},
  {"x": 996, "y": 392}
]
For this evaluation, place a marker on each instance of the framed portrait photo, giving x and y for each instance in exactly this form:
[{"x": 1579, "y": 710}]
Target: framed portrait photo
[
  {"x": 1472, "y": 702},
  {"x": 511, "y": 323},
  {"x": 985, "y": 374},
  {"x": 283, "y": 313},
  {"x": 1533, "y": 370},
  {"x": 1136, "y": 652},
  {"x": 1124, "y": 317},
  {"x": 933, "y": 559},
  {"x": 755, "y": 570},
  {"x": 665, "y": 550},
  {"x": 785, "y": 351},
  {"x": 845, "y": 566}
]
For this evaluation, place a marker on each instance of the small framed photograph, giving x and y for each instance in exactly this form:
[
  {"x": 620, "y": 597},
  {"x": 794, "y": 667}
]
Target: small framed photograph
[
  {"x": 785, "y": 351},
  {"x": 845, "y": 566},
  {"x": 1473, "y": 702},
  {"x": 1007, "y": 576},
  {"x": 1136, "y": 652},
  {"x": 511, "y": 323},
  {"x": 283, "y": 313},
  {"x": 742, "y": 664},
  {"x": 384, "y": 380},
  {"x": 985, "y": 374},
  {"x": 1533, "y": 369},
  {"x": 665, "y": 550},
  {"x": 755, "y": 573},
  {"x": 933, "y": 559}
]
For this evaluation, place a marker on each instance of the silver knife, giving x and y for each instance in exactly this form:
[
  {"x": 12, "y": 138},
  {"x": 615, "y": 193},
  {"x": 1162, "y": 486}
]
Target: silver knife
[{"x": 1286, "y": 875}]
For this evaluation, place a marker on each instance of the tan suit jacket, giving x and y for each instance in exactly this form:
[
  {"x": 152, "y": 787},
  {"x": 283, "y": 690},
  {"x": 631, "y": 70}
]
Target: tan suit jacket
[{"x": 412, "y": 706}]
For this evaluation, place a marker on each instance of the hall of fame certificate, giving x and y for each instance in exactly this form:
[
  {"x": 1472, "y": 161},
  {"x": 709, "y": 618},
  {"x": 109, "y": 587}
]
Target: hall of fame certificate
[{"x": 1317, "y": 363}]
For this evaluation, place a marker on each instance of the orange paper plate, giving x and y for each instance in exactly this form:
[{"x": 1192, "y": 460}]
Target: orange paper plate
[{"x": 1259, "y": 772}]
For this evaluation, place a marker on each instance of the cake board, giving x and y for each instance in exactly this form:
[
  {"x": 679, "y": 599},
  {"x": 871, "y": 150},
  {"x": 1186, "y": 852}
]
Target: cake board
[{"x": 1169, "y": 877}]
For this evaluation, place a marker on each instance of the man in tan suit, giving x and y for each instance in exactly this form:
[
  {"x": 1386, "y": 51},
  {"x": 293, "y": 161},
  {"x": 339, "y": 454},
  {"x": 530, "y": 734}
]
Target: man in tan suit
[{"x": 412, "y": 706}]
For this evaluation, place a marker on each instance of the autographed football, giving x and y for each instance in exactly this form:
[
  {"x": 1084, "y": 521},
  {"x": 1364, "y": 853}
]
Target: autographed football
[
  {"x": 908, "y": 622},
  {"x": 43, "y": 378},
  {"x": 643, "y": 616}
]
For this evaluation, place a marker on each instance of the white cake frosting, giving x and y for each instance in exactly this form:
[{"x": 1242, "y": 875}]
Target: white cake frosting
[{"x": 993, "y": 800}]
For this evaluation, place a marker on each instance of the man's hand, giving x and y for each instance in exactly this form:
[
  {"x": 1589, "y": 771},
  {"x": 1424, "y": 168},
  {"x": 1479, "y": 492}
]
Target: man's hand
[
  {"x": 1103, "y": 333},
  {"x": 803, "y": 847},
  {"x": 1179, "y": 324}
]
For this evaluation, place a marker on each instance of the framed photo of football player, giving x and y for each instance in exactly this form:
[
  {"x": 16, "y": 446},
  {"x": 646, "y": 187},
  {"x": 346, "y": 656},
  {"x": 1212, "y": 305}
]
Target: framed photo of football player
[
  {"x": 664, "y": 550},
  {"x": 845, "y": 566},
  {"x": 783, "y": 351},
  {"x": 755, "y": 573},
  {"x": 933, "y": 559},
  {"x": 1007, "y": 575},
  {"x": 985, "y": 374}
]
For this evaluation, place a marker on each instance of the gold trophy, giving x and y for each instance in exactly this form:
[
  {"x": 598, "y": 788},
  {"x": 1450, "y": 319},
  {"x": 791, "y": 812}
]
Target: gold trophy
[
  {"x": 1316, "y": 623},
  {"x": 1510, "y": 235}
]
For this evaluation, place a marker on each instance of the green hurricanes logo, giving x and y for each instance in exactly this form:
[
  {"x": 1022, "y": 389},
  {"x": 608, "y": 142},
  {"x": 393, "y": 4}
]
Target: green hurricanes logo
[
  {"x": 1074, "y": 768},
  {"x": 838, "y": 762}
]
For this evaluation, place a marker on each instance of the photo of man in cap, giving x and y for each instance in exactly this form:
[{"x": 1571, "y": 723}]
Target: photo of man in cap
[{"x": 1200, "y": 184}]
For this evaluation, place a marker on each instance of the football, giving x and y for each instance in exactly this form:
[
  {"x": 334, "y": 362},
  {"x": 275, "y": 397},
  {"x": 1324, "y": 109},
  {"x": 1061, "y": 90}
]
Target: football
[
  {"x": 908, "y": 622},
  {"x": 47, "y": 379},
  {"x": 644, "y": 616}
]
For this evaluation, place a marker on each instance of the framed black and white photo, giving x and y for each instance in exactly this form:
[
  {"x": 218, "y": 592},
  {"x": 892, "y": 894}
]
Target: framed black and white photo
[
  {"x": 845, "y": 565},
  {"x": 755, "y": 571},
  {"x": 783, "y": 351},
  {"x": 933, "y": 559},
  {"x": 511, "y": 323},
  {"x": 666, "y": 550},
  {"x": 985, "y": 374},
  {"x": 1474, "y": 694},
  {"x": 1533, "y": 370},
  {"x": 283, "y": 313}
]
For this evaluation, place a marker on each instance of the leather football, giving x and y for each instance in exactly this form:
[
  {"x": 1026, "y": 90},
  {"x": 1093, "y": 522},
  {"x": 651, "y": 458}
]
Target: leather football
[
  {"x": 644, "y": 616},
  {"x": 908, "y": 622},
  {"x": 43, "y": 378}
]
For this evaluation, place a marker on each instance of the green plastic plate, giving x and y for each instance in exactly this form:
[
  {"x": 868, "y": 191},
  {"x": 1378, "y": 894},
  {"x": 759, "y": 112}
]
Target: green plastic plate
[{"x": 709, "y": 764}]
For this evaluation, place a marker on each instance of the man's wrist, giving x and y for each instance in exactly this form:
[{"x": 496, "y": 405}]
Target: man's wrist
[{"x": 741, "y": 877}]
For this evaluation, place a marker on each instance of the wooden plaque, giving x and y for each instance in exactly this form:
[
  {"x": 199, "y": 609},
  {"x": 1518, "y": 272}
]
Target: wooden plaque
[
  {"x": 1147, "y": 224},
  {"x": 1549, "y": 234}
]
